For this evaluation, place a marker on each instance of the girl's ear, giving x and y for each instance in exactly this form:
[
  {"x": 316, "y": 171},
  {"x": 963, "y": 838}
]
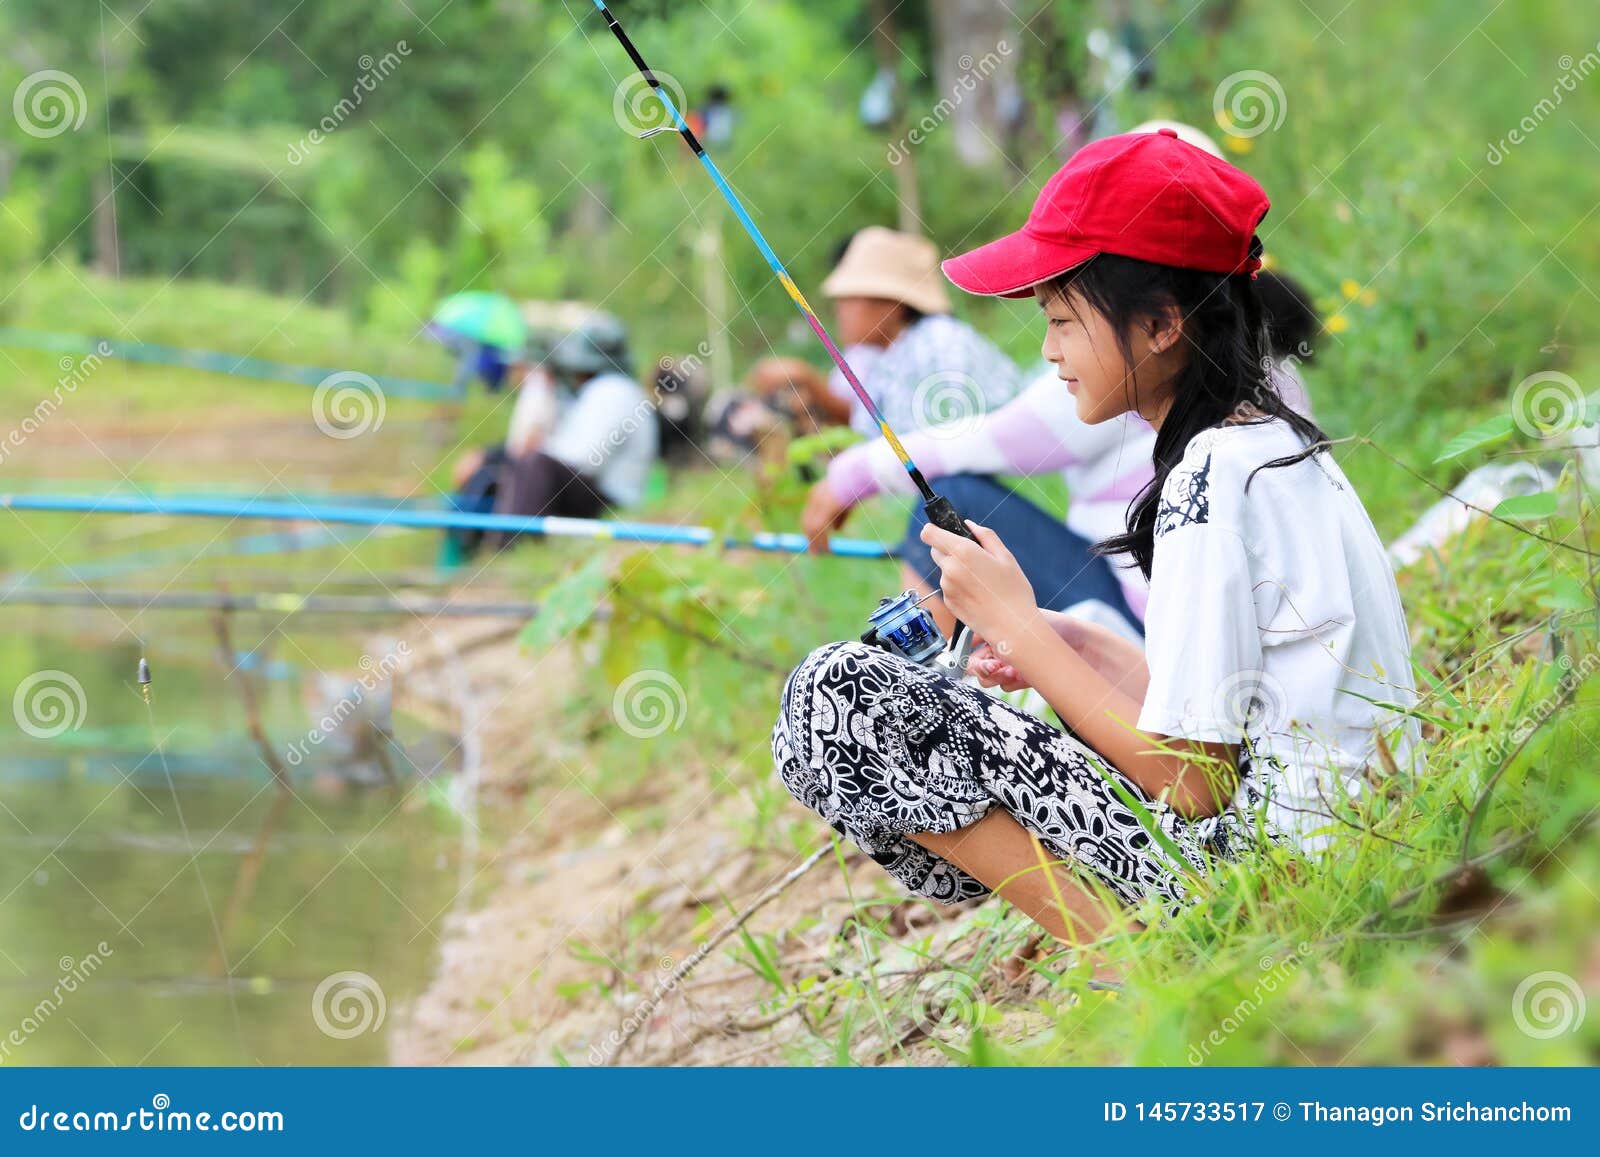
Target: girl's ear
[{"x": 1165, "y": 327}]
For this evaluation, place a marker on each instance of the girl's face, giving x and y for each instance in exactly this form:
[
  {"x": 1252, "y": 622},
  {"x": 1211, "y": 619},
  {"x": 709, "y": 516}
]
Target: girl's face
[{"x": 1088, "y": 356}]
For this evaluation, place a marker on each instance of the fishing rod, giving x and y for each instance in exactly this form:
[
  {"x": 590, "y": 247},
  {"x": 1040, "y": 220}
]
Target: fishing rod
[
  {"x": 269, "y": 603},
  {"x": 541, "y": 525},
  {"x": 232, "y": 365},
  {"x": 938, "y": 509}
]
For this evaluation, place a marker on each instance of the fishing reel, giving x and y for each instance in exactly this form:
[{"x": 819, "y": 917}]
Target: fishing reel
[{"x": 903, "y": 626}]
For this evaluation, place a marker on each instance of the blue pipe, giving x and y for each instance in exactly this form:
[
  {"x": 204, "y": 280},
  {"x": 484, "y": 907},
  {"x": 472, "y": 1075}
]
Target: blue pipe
[{"x": 435, "y": 520}]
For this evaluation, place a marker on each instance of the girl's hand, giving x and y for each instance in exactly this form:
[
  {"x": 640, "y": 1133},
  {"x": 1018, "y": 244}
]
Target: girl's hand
[
  {"x": 994, "y": 671},
  {"x": 983, "y": 585}
]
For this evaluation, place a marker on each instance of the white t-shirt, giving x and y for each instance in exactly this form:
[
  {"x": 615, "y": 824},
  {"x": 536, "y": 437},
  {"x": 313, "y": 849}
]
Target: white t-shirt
[
  {"x": 533, "y": 413},
  {"x": 1272, "y": 612},
  {"x": 607, "y": 432}
]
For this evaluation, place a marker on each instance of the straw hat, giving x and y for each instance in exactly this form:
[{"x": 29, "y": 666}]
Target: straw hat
[
  {"x": 1186, "y": 133},
  {"x": 898, "y": 266}
]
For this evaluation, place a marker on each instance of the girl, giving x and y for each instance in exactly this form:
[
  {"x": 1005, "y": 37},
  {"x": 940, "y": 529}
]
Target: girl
[{"x": 1274, "y": 629}]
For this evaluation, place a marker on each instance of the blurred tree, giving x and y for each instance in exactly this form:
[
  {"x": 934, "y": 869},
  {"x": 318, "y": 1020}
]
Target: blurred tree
[{"x": 975, "y": 49}]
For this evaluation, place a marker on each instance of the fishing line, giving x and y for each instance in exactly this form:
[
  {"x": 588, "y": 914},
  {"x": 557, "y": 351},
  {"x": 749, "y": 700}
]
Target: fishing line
[{"x": 146, "y": 681}]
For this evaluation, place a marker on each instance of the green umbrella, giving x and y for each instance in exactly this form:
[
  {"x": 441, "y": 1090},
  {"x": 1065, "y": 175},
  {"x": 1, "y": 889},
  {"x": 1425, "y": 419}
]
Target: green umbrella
[{"x": 490, "y": 318}]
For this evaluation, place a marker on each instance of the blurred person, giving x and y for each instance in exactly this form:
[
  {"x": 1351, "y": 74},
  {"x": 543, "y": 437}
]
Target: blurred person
[
  {"x": 679, "y": 392},
  {"x": 896, "y": 330},
  {"x": 592, "y": 436},
  {"x": 581, "y": 440}
]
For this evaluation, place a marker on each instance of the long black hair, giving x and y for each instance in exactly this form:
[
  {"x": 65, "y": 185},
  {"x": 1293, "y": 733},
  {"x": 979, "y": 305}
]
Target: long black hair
[{"x": 1227, "y": 374}]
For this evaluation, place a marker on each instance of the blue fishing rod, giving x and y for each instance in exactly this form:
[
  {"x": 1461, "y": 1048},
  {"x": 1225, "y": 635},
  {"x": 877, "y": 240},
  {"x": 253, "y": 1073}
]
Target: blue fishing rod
[
  {"x": 541, "y": 525},
  {"x": 899, "y": 624}
]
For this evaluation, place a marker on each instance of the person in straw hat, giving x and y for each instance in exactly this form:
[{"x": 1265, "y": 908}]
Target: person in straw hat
[{"x": 919, "y": 364}]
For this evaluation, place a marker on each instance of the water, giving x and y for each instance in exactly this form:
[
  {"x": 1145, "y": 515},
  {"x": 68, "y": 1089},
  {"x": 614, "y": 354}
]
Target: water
[{"x": 136, "y": 925}]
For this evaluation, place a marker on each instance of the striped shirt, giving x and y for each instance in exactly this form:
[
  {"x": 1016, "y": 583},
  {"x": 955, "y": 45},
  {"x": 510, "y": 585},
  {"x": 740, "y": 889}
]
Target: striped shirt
[{"x": 938, "y": 369}]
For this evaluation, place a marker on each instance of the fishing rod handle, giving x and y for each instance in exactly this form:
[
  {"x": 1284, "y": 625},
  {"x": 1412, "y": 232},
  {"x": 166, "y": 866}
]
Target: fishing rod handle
[{"x": 942, "y": 514}]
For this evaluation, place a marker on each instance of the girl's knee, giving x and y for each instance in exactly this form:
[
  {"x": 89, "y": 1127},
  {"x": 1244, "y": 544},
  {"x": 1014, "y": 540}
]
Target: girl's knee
[{"x": 828, "y": 666}]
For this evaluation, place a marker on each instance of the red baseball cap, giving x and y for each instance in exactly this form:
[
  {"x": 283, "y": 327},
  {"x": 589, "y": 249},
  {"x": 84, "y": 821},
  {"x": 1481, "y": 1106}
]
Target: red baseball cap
[{"x": 1144, "y": 195}]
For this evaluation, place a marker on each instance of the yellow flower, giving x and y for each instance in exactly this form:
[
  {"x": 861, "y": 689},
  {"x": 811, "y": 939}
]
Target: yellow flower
[
  {"x": 1238, "y": 144},
  {"x": 1350, "y": 288},
  {"x": 1338, "y": 323},
  {"x": 1368, "y": 297},
  {"x": 1268, "y": 261}
]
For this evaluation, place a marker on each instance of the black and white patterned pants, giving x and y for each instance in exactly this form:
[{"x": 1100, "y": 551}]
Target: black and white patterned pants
[{"x": 881, "y": 747}]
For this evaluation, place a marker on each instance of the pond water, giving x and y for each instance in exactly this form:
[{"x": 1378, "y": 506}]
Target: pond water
[{"x": 163, "y": 902}]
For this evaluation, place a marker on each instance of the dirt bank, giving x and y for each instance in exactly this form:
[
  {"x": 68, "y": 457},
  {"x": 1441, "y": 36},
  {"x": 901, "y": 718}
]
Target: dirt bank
[{"x": 578, "y": 927}]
